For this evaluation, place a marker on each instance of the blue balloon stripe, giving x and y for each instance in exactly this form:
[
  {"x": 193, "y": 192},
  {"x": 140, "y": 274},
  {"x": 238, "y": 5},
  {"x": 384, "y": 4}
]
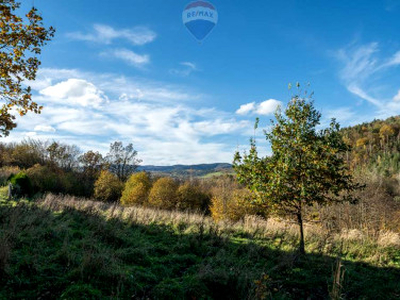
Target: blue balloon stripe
[{"x": 200, "y": 28}]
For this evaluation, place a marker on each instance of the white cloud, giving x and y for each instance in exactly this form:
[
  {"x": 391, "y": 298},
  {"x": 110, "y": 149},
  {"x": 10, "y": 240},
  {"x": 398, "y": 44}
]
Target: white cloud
[
  {"x": 363, "y": 75},
  {"x": 132, "y": 88},
  {"x": 128, "y": 56},
  {"x": 30, "y": 134},
  {"x": 344, "y": 115},
  {"x": 358, "y": 62},
  {"x": 245, "y": 109},
  {"x": 395, "y": 60},
  {"x": 267, "y": 107},
  {"x": 44, "y": 128},
  {"x": 166, "y": 131},
  {"x": 105, "y": 34},
  {"x": 397, "y": 97},
  {"x": 356, "y": 90},
  {"x": 186, "y": 69},
  {"x": 189, "y": 64},
  {"x": 76, "y": 91}
]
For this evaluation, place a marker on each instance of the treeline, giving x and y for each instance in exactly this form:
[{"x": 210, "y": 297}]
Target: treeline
[
  {"x": 61, "y": 168},
  {"x": 35, "y": 167},
  {"x": 375, "y": 146}
]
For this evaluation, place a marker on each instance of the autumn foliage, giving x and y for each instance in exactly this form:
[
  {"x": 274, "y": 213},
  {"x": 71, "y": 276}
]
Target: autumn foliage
[
  {"x": 137, "y": 189},
  {"x": 163, "y": 194},
  {"x": 108, "y": 187},
  {"x": 21, "y": 42}
]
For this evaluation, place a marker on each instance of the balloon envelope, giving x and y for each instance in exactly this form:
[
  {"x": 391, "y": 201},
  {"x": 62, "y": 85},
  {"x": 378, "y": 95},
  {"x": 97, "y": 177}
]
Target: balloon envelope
[{"x": 200, "y": 17}]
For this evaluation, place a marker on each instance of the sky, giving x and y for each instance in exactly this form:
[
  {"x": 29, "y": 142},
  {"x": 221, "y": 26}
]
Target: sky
[{"x": 129, "y": 70}]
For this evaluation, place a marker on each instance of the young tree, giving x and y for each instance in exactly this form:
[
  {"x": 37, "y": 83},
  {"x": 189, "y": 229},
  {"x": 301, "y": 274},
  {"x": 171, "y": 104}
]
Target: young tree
[
  {"x": 108, "y": 187},
  {"x": 163, "y": 193},
  {"x": 306, "y": 165},
  {"x": 122, "y": 160},
  {"x": 137, "y": 189},
  {"x": 21, "y": 41}
]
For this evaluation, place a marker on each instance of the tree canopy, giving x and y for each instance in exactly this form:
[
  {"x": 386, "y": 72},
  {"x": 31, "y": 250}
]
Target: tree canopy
[
  {"x": 306, "y": 165},
  {"x": 21, "y": 42}
]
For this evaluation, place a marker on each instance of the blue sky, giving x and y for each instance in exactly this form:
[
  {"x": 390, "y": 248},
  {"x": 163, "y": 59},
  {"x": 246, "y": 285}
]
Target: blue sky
[{"x": 130, "y": 71}]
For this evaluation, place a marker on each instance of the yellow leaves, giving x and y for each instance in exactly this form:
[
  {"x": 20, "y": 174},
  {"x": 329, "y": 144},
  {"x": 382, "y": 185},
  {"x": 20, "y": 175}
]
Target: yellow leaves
[{"x": 19, "y": 39}]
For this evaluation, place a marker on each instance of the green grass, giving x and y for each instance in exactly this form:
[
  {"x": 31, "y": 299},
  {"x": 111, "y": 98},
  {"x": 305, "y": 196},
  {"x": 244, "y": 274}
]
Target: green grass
[
  {"x": 83, "y": 254},
  {"x": 3, "y": 192}
]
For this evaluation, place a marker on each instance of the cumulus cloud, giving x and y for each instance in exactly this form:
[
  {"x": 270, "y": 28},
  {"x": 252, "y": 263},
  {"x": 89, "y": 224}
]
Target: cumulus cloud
[
  {"x": 268, "y": 107},
  {"x": 120, "y": 86},
  {"x": 167, "y": 131},
  {"x": 397, "y": 97},
  {"x": 105, "y": 34},
  {"x": 128, "y": 56},
  {"x": 247, "y": 108},
  {"x": 265, "y": 108},
  {"x": 75, "y": 91}
]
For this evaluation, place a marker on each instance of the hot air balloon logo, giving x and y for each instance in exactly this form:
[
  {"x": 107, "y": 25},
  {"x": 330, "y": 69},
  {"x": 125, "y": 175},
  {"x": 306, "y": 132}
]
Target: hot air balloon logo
[{"x": 200, "y": 18}]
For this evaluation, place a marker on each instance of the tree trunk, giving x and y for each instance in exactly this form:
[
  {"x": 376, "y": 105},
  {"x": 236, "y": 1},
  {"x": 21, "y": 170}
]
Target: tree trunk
[{"x": 300, "y": 222}]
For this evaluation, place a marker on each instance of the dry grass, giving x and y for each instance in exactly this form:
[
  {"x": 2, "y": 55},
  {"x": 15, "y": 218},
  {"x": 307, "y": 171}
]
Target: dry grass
[{"x": 285, "y": 232}]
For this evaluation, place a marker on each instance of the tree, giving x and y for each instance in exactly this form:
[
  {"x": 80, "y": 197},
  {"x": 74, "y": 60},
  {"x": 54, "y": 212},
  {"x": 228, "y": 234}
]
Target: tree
[
  {"x": 63, "y": 156},
  {"x": 163, "y": 193},
  {"x": 136, "y": 189},
  {"x": 122, "y": 160},
  {"x": 92, "y": 163},
  {"x": 108, "y": 187},
  {"x": 306, "y": 165},
  {"x": 190, "y": 196},
  {"x": 21, "y": 42}
]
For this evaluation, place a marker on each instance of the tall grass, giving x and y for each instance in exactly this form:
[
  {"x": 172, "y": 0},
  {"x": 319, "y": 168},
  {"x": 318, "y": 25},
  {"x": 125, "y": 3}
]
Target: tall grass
[
  {"x": 70, "y": 248},
  {"x": 352, "y": 244}
]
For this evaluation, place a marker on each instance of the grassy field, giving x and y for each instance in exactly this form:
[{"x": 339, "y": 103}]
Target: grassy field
[{"x": 60, "y": 247}]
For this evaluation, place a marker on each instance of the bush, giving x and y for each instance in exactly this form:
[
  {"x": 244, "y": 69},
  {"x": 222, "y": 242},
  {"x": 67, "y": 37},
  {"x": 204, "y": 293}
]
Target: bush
[
  {"x": 108, "y": 187},
  {"x": 136, "y": 189},
  {"x": 44, "y": 179},
  {"x": 6, "y": 173},
  {"x": 22, "y": 185},
  {"x": 191, "y": 197},
  {"x": 163, "y": 193},
  {"x": 234, "y": 207}
]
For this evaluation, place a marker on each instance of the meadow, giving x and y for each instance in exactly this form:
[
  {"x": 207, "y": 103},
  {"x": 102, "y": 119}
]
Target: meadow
[{"x": 70, "y": 248}]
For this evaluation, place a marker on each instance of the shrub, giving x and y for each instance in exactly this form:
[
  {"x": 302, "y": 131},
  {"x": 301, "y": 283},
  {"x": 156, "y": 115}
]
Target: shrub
[
  {"x": 234, "y": 207},
  {"x": 6, "y": 173},
  {"x": 44, "y": 179},
  {"x": 163, "y": 193},
  {"x": 107, "y": 187},
  {"x": 191, "y": 197},
  {"x": 55, "y": 180},
  {"x": 22, "y": 185},
  {"x": 136, "y": 189}
]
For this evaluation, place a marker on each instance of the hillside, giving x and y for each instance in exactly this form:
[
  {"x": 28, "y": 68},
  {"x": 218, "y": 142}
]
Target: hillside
[
  {"x": 189, "y": 170},
  {"x": 93, "y": 250},
  {"x": 375, "y": 145}
]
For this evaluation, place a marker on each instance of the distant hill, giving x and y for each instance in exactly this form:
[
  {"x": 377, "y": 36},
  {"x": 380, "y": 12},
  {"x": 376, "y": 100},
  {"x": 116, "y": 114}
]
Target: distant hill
[{"x": 189, "y": 170}]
